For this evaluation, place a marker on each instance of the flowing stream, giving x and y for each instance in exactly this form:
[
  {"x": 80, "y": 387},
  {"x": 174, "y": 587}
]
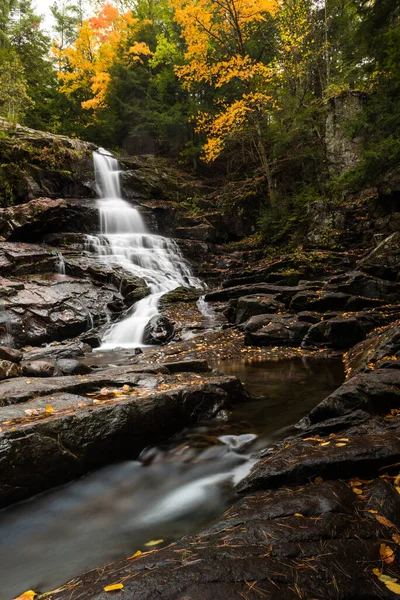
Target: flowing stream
[
  {"x": 170, "y": 491},
  {"x": 125, "y": 240}
]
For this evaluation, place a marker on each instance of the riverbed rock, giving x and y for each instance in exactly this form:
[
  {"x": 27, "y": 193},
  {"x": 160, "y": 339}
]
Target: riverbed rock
[
  {"x": 33, "y": 220},
  {"x": 69, "y": 366},
  {"x": 375, "y": 392},
  {"x": 39, "y": 368},
  {"x": 158, "y": 330},
  {"x": 356, "y": 452},
  {"x": 74, "y": 424},
  {"x": 256, "y": 305},
  {"x": 47, "y": 310},
  {"x": 275, "y": 330},
  {"x": 56, "y": 351},
  {"x": 10, "y": 354},
  {"x": 381, "y": 347},
  {"x": 9, "y": 369},
  {"x": 337, "y": 333}
]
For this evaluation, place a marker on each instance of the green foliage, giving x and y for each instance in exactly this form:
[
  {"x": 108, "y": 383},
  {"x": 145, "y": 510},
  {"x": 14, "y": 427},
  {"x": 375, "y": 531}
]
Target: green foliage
[{"x": 282, "y": 224}]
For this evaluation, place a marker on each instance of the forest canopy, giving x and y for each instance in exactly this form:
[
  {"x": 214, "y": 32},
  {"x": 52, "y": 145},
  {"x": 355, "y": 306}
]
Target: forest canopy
[{"x": 247, "y": 84}]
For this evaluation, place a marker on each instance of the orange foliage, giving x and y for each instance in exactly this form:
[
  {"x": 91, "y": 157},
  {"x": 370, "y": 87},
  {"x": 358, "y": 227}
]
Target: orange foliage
[{"x": 100, "y": 44}]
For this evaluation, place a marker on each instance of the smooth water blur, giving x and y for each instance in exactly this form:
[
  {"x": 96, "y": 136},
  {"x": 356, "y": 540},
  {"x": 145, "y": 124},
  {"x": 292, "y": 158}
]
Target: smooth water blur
[
  {"x": 168, "y": 492},
  {"x": 112, "y": 513},
  {"x": 125, "y": 240}
]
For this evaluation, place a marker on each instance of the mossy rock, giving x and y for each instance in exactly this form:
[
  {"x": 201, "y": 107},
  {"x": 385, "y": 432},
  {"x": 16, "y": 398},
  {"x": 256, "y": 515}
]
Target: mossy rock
[{"x": 179, "y": 294}]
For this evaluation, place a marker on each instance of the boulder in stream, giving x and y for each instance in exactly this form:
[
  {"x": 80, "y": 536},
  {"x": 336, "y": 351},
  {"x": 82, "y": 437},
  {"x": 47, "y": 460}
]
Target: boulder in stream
[{"x": 159, "y": 330}]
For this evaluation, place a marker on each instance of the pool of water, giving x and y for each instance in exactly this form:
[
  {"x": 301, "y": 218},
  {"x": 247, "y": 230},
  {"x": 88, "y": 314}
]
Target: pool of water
[
  {"x": 168, "y": 492},
  {"x": 286, "y": 389}
]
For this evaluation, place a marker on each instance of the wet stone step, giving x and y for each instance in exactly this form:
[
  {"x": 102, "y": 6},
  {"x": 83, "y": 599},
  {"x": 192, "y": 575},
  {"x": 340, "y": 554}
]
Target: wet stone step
[{"x": 53, "y": 436}]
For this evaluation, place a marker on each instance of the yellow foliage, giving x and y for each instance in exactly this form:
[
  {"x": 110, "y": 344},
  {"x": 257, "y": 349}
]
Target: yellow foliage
[
  {"x": 85, "y": 65},
  {"x": 216, "y": 34}
]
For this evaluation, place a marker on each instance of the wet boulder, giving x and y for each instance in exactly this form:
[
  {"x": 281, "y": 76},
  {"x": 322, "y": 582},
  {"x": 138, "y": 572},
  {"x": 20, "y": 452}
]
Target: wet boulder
[
  {"x": 381, "y": 349},
  {"x": 159, "y": 330},
  {"x": 39, "y": 368},
  {"x": 69, "y": 366},
  {"x": 56, "y": 351},
  {"x": 275, "y": 330},
  {"x": 10, "y": 354},
  {"x": 9, "y": 369},
  {"x": 35, "y": 219},
  {"x": 337, "y": 333},
  {"x": 261, "y": 304},
  {"x": 374, "y": 392},
  {"x": 44, "y": 310}
]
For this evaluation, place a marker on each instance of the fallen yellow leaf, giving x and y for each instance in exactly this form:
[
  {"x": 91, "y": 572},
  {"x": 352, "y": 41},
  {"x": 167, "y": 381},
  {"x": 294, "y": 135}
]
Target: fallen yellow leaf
[
  {"x": 341, "y": 444},
  {"x": 377, "y": 572},
  {"x": 114, "y": 588},
  {"x": 357, "y": 490},
  {"x": 136, "y": 555},
  {"x": 384, "y": 521},
  {"x": 396, "y": 538},
  {"x": 386, "y": 578},
  {"x": 326, "y": 444},
  {"x": 374, "y": 512},
  {"x": 153, "y": 543},
  {"x": 343, "y": 439},
  {"x": 49, "y": 410},
  {"x": 298, "y": 515},
  {"x": 27, "y": 595},
  {"x": 318, "y": 480},
  {"x": 393, "y": 587}
]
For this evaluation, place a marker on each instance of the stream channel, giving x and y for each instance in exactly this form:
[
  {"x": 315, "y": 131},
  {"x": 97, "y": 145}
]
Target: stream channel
[
  {"x": 169, "y": 491},
  {"x": 179, "y": 487}
]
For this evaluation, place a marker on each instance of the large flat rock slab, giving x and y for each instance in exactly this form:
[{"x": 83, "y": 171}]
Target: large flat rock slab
[
  {"x": 64, "y": 427},
  {"x": 317, "y": 541}
]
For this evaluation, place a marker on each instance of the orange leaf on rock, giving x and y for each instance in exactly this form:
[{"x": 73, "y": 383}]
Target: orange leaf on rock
[
  {"x": 386, "y": 554},
  {"x": 384, "y": 521},
  {"x": 136, "y": 555},
  {"x": 27, "y": 595}
]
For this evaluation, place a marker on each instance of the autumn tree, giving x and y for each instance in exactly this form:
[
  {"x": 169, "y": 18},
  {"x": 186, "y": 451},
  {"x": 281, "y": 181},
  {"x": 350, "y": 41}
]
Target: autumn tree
[
  {"x": 226, "y": 48},
  {"x": 100, "y": 44}
]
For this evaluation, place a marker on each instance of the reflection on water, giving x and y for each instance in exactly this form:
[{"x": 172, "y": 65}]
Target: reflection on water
[
  {"x": 168, "y": 492},
  {"x": 289, "y": 389}
]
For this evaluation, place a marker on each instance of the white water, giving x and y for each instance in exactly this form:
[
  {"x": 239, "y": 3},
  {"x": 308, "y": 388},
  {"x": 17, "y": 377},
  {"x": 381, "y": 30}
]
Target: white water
[
  {"x": 125, "y": 240},
  {"x": 60, "y": 264}
]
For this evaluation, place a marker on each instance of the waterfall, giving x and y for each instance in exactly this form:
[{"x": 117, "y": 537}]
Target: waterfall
[
  {"x": 60, "y": 264},
  {"x": 125, "y": 240}
]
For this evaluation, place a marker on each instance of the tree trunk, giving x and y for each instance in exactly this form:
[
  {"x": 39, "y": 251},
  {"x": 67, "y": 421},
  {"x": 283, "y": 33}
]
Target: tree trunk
[{"x": 265, "y": 162}]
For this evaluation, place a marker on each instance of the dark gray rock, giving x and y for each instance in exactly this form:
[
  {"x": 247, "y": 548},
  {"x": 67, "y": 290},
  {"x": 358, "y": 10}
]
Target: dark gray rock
[
  {"x": 375, "y": 392},
  {"x": 338, "y": 333},
  {"x": 256, "y": 305},
  {"x": 368, "y": 447},
  {"x": 69, "y": 366},
  {"x": 158, "y": 330},
  {"x": 66, "y": 433},
  {"x": 382, "y": 346},
  {"x": 275, "y": 330}
]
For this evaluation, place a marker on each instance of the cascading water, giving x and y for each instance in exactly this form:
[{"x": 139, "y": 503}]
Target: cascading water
[{"x": 125, "y": 240}]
